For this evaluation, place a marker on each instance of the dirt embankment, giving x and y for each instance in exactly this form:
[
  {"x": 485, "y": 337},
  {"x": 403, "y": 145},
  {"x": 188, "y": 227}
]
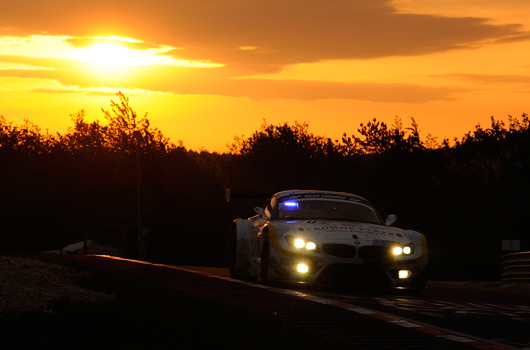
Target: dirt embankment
[
  {"x": 33, "y": 286},
  {"x": 84, "y": 302}
]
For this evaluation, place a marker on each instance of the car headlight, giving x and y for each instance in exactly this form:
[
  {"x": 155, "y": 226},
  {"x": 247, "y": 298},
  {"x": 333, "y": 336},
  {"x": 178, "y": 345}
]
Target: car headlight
[
  {"x": 301, "y": 243},
  {"x": 399, "y": 250}
]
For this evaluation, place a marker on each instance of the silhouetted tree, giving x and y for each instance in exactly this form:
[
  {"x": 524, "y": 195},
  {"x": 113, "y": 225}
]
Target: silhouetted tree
[
  {"x": 25, "y": 139},
  {"x": 280, "y": 156},
  {"x": 378, "y": 137},
  {"x": 57, "y": 189},
  {"x": 349, "y": 146},
  {"x": 126, "y": 131},
  {"x": 84, "y": 137},
  {"x": 292, "y": 140}
]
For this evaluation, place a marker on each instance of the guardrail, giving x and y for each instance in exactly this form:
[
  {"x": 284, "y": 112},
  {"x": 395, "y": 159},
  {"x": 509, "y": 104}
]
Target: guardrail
[{"x": 515, "y": 267}]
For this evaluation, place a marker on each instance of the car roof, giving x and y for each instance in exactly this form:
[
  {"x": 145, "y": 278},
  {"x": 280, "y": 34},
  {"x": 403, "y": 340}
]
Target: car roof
[{"x": 320, "y": 193}]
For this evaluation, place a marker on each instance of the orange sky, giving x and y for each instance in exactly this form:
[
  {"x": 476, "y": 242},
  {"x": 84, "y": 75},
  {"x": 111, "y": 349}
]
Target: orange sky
[{"x": 206, "y": 70}]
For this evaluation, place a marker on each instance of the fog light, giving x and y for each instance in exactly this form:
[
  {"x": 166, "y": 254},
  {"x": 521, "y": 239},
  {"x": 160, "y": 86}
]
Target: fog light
[
  {"x": 404, "y": 274},
  {"x": 302, "y": 268}
]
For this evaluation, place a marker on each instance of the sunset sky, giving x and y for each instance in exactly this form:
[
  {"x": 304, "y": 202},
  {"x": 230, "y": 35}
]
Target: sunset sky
[{"x": 206, "y": 71}]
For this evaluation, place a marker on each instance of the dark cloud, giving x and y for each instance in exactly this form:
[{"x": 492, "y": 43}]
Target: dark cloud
[{"x": 282, "y": 31}]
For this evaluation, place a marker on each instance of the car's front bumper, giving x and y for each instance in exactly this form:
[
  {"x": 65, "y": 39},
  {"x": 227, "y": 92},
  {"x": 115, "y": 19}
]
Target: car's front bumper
[{"x": 383, "y": 273}]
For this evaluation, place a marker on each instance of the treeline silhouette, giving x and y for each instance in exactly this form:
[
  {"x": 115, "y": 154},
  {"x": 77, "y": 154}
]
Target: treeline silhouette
[{"x": 467, "y": 195}]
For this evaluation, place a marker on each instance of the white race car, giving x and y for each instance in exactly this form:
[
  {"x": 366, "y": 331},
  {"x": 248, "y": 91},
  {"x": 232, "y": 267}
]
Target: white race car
[{"x": 326, "y": 238}]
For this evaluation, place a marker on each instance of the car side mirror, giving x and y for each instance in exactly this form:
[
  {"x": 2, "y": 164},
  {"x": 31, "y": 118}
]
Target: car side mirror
[
  {"x": 261, "y": 212},
  {"x": 390, "y": 219}
]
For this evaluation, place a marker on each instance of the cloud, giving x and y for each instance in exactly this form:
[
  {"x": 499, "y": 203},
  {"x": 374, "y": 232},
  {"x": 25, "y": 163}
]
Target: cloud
[
  {"x": 213, "y": 81},
  {"x": 491, "y": 78},
  {"x": 89, "y": 92},
  {"x": 281, "y": 32},
  {"x": 260, "y": 89},
  {"x": 54, "y": 91},
  {"x": 84, "y": 42}
]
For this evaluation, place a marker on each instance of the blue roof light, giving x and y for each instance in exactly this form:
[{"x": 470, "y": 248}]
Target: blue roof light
[{"x": 290, "y": 205}]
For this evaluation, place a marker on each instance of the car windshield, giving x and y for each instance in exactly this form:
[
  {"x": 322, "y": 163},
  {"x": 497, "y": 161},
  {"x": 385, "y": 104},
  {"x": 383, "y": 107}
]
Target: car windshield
[{"x": 327, "y": 209}]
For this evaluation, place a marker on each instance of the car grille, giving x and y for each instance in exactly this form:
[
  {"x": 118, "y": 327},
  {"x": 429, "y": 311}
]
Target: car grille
[
  {"x": 340, "y": 250},
  {"x": 373, "y": 252}
]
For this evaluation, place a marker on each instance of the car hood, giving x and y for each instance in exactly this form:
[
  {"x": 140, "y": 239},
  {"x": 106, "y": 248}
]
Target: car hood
[{"x": 331, "y": 230}]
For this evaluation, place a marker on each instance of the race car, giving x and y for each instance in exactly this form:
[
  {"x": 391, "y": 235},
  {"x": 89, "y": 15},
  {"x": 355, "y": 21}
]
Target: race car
[{"x": 326, "y": 238}]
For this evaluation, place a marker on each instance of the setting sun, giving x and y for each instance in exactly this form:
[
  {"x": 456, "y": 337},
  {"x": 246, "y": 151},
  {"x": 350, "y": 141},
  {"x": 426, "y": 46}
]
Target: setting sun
[
  {"x": 111, "y": 55},
  {"x": 116, "y": 51}
]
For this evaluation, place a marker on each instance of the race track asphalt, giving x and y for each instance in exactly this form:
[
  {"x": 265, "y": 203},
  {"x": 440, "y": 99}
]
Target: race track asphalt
[{"x": 158, "y": 307}]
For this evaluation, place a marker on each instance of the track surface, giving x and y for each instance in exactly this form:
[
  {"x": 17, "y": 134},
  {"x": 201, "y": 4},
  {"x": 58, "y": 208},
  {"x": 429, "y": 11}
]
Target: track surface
[
  {"x": 493, "y": 312},
  {"x": 159, "y": 306}
]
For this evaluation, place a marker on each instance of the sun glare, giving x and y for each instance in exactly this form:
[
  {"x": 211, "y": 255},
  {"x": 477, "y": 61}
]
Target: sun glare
[
  {"x": 110, "y": 54},
  {"x": 113, "y": 52}
]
